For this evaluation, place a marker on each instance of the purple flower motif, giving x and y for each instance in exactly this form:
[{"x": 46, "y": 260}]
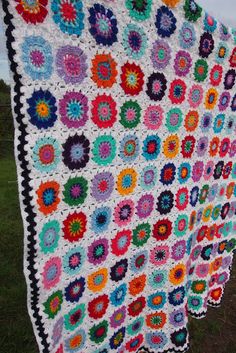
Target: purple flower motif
[
  {"x": 160, "y": 54},
  {"x": 183, "y": 63},
  {"x": 145, "y": 206},
  {"x": 71, "y": 64},
  {"x": 197, "y": 171},
  {"x": 177, "y": 317},
  {"x": 98, "y": 251},
  {"x": 73, "y": 109},
  {"x": 178, "y": 250},
  {"x": 224, "y": 32},
  {"x": 224, "y": 101},
  {"x": 212, "y": 192},
  {"x": 118, "y": 317},
  {"x": 202, "y": 146},
  {"x": 226, "y": 262},
  {"x": 102, "y": 186},
  {"x": 57, "y": 331}
]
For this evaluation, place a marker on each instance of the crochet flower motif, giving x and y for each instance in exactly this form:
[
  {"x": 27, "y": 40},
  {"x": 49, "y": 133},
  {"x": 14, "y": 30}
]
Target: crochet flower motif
[
  {"x": 32, "y": 11},
  {"x": 104, "y": 70},
  {"x": 73, "y": 109},
  {"x": 76, "y": 152},
  {"x": 131, "y": 79},
  {"x": 165, "y": 22}
]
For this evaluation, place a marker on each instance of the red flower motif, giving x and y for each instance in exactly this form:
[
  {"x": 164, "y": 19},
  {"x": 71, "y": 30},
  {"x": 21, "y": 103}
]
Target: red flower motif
[
  {"x": 121, "y": 242},
  {"x": 188, "y": 145},
  {"x": 182, "y": 199},
  {"x": 177, "y": 91},
  {"x": 104, "y": 111},
  {"x": 98, "y": 306},
  {"x": 131, "y": 79},
  {"x": 133, "y": 344},
  {"x": 232, "y": 59},
  {"x": 162, "y": 229},
  {"x": 35, "y": 12},
  {"x": 216, "y": 294},
  {"x": 136, "y": 307},
  {"x": 202, "y": 233},
  {"x": 216, "y": 75},
  {"x": 74, "y": 226}
]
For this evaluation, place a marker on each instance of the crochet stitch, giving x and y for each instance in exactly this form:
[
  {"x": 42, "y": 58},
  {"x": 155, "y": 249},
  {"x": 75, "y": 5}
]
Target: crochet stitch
[{"x": 125, "y": 148}]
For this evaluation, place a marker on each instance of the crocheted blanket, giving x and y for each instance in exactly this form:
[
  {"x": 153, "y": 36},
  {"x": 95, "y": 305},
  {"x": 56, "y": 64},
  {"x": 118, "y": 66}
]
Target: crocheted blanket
[{"x": 125, "y": 148}]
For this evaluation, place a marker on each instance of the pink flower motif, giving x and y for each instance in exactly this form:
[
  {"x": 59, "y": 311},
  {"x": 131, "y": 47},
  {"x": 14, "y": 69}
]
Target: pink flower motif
[
  {"x": 209, "y": 170},
  {"x": 51, "y": 272},
  {"x": 145, "y": 206},
  {"x": 123, "y": 212},
  {"x": 195, "y": 96},
  {"x": 202, "y": 270},
  {"x": 159, "y": 255},
  {"x": 153, "y": 117}
]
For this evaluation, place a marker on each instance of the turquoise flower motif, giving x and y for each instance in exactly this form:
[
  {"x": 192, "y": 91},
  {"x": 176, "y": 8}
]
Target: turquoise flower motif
[
  {"x": 68, "y": 15},
  {"x": 184, "y": 172},
  {"x": 210, "y": 23},
  {"x": 174, "y": 119},
  {"x": 100, "y": 219},
  {"x": 135, "y": 326},
  {"x": 134, "y": 41},
  {"x": 117, "y": 297},
  {"x": 157, "y": 300},
  {"x": 181, "y": 225},
  {"x": 73, "y": 260},
  {"x": 37, "y": 57},
  {"x": 219, "y": 123},
  {"x": 227, "y": 229},
  {"x": 157, "y": 278},
  {"x": 74, "y": 317},
  {"x": 151, "y": 147},
  {"x": 104, "y": 150},
  {"x": 49, "y": 237},
  {"x": 80, "y": 337},
  {"x": 194, "y": 302},
  {"x": 46, "y": 154},
  {"x": 148, "y": 177},
  {"x": 222, "y": 52}
]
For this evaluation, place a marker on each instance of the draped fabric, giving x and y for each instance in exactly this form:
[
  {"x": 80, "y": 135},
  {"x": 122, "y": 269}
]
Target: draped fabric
[{"x": 125, "y": 121}]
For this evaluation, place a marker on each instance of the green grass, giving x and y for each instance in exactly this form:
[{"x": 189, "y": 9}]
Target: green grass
[{"x": 214, "y": 334}]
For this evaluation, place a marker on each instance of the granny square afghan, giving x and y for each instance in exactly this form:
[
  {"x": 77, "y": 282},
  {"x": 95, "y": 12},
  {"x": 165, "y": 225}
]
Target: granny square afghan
[{"x": 125, "y": 122}]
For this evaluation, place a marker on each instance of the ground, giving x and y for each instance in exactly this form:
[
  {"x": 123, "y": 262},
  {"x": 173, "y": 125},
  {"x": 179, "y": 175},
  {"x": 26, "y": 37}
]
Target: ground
[{"x": 214, "y": 334}]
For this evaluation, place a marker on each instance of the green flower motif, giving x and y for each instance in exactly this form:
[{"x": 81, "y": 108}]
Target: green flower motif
[
  {"x": 231, "y": 245},
  {"x": 141, "y": 234},
  {"x": 75, "y": 191},
  {"x": 216, "y": 212},
  {"x": 49, "y": 236},
  {"x": 198, "y": 287},
  {"x": 139, "y": 9},
  {"x": 75, "y": 317},
  {"x": 99, "y": 332},
  {"x": 134, "y": 41},
  {"x": 181, "y": 225},
  {"x": 104, "y": 150},
  {"x": 203, "y": 193},
  {"x": 157, "y": 279},
  {"x": 200, "y": 70},
  {"x": 53, "y": 304},
  {"x": 130, "y": 114},
  {"x": 136, "y": 326},
  {"x": 192, "y": 11},
  {"x": 194, "y": 302},
  {"x": 174, "y": 119}
]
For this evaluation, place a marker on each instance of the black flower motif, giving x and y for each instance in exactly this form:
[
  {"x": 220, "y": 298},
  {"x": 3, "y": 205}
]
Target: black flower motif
[
  {"x": 76, "y": 151},
  {"x": 206, "y": 45},
  {"x": 156, "y": 86}
]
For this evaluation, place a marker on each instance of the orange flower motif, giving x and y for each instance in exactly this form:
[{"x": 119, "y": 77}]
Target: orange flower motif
[
  {"x": 171, "y": 146},
  {"x": 137, "y": 285},
  {"x": 104, "y": 70},
  {"x": 211, "y": 98},
  {"x": 126, "y": 181},
  {"x": 98, "y": 280},
  {"x": 214, "y": 146},
  {"x": 171, "y": 3},
  {"x": 191, "y": 120},
  {"x": 156, "y": 320},
  {"x": 192, "y": 220},
  {"x": 230, "y": 190},
  {"x": 48, "y": 199},
  {"x": 177, "y": 274}
]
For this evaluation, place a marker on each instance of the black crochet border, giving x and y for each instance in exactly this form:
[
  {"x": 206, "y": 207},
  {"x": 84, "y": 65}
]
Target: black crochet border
[{"x": 26, "y": 198}]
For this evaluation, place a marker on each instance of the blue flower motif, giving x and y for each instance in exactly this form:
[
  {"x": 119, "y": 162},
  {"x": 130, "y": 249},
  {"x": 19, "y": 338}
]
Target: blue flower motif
[
  {"x": 148, "y": 177},
  {"x": 156, "y": 340},
  {"x": 176, "y": 296},
  {"x": 81, "y": 341},
  {"x": 103, "y": 25},
  {"x": 151, "y": 147},
  {"x": 49, "y": 236},
  {"x": 101, "y": 218},
  {"x": 184, "y": 172},
  {"x": 68, "y": 15},
  {"x": 210, "y": 23},
  {"x": 46, "y": 154},
  {"x": 194, "y": 194},
  {"x": 206, "y": 122},
  {"x": 37, "y": 57},
  {"x": 42, "y": 109},
  {"x": 165, "y": 22},
  {"x": 187, "y": 35},
  {"x": 73, "y": 260},
  {"x": 156, "y": 304},
  {"x": 134, "y": 41},
  {"x": 117, "y": 297},
  {"x": 219, "y": 123},
  {"x": 129, "y": 148},
  {"x": 139, "y": 261}
]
